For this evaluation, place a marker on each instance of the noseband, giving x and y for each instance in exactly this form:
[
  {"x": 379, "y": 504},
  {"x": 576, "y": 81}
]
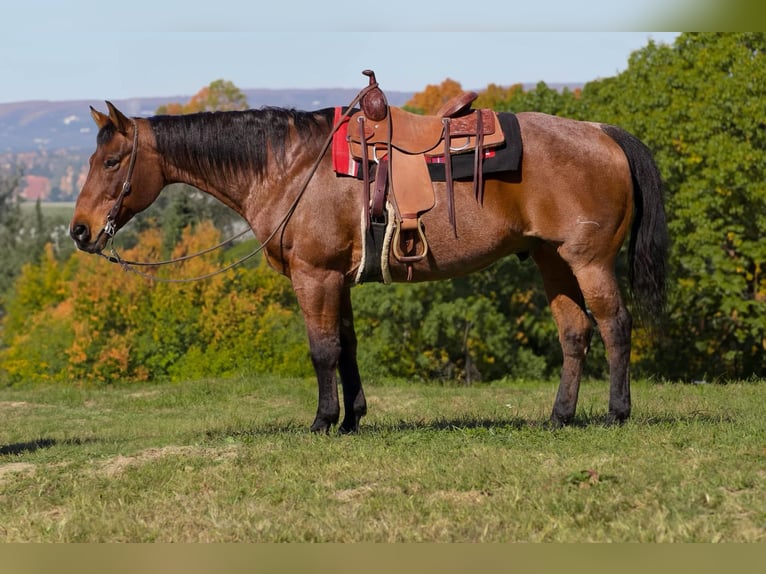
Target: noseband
[{"x": 110, "y": 228}]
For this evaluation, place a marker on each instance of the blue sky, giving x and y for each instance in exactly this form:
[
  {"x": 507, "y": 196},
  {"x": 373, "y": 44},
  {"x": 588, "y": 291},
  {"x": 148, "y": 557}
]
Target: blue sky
[{"x": 81, "y": 50}]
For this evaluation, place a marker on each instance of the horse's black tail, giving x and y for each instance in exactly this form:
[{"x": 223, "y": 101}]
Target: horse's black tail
[{"x": 649, "y": 240}]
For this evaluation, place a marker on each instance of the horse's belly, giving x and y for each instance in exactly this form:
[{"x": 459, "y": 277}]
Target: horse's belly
[{"x": 483, "y": 237}]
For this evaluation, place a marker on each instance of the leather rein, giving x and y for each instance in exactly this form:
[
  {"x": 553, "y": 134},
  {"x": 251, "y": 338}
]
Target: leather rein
[{"x": 110, "y": 228}]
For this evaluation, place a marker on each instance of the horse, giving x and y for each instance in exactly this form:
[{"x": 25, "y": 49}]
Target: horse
[{"x": 582, "y": 189}]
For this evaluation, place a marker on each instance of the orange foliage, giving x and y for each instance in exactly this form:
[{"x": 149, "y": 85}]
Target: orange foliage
[
  {"x": 84, "y": 320},
  {"x": 494, "y": 96},
  {"x": 220, "y": 95},
  {"x": 433, "y": 97}
]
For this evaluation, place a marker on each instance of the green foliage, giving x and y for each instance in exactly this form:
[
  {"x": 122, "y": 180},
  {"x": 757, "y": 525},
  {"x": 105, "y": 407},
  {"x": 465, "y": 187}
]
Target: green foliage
[
  {"x": 699, "y": 105},
  {"x": 11, "y": 254},
  {"x": 38, "y": 322},
  {"x": 23, "y": 233},
  {"x": 83, "y": 320},
  {"x": 542, "y": 98},
  {"x": 477, "y": 328}
]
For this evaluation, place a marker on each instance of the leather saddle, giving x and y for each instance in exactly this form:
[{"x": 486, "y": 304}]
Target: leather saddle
[{"x": 400, "y": 142}]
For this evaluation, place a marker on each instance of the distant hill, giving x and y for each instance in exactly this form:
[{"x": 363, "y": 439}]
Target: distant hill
[{"x": 49, "y": 125}]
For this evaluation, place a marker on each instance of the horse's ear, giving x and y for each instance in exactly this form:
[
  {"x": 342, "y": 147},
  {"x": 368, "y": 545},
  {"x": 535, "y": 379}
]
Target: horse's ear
[
  {"x": 120, "y": 120},
  {"x": 100, "y": 119}
]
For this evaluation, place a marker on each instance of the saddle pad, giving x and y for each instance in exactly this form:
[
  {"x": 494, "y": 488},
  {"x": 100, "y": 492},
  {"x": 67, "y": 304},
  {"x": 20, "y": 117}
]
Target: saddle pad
[{"x": 506, "y": 157}]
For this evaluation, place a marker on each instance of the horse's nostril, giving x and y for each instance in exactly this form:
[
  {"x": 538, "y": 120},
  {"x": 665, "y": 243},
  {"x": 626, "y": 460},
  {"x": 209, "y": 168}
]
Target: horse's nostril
[{"x": 80, "y": 233}]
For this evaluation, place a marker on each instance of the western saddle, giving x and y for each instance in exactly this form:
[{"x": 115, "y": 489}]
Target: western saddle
[{"x": 401, "y": 143}]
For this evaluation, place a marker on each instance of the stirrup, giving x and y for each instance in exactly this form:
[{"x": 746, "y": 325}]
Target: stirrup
[{"x": 397, "y": 244}]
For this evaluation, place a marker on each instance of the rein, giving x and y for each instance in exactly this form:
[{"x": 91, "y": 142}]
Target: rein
[{"x": 127, "y": 265}]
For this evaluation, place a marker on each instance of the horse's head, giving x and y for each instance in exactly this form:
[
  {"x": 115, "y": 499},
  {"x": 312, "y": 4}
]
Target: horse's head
[{"x": 125, "y": 177}]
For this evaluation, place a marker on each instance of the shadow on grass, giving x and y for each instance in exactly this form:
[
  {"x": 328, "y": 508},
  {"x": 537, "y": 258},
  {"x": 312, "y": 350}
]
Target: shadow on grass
[
  {"x": 460, "y": 424},
  {"x": 34, "y": 445},
  {"x": 452, "y": 424},
  {"x": 463, "y": 424}
]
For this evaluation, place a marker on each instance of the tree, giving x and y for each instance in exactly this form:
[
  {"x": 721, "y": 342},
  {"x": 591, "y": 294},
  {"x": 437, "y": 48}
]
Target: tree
[
  {"x": 218, "y": 96},
  {"x": 498, "y": 98},
  {"x": 77, "y": 320},
  {"x": 433, "y": 97},
  {"x": 11, "y": 224},
  {"x": 699, "y": 105}
]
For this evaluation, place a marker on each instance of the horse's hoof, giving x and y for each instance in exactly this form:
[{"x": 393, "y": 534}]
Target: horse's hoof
[
  {"x": 559, "y": 421},
  {"x": 320, "y": 427},
  {"x": 349, "y": 427},
  {"x": 616, "y": 419},
  {"x": 553, "y": 424}
]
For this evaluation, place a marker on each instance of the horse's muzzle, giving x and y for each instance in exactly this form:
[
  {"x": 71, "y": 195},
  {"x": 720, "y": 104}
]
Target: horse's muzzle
[{"x": 80, "y": 233}]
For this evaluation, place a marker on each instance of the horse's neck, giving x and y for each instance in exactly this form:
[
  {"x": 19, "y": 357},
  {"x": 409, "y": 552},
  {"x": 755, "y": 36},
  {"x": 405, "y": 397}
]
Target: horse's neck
[
  {"x": 255, "y": 162},
  {"x": 232, "y": 194},
  {"x": 259, "y": 198}
]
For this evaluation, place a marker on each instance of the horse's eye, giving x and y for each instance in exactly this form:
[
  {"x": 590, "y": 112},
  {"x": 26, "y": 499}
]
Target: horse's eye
[{"x": 112, "y": 162}]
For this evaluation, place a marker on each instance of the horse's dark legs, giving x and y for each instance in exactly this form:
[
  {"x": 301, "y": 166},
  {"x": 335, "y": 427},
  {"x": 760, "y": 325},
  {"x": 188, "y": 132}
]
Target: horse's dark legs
[
  {"x": 602, "y": 294},
  {"x": 319, "y": 296},
  {"x": 354, "y": 403},
  {"x": 574, "y": 327},
  {"x": 326, "y": 305}
]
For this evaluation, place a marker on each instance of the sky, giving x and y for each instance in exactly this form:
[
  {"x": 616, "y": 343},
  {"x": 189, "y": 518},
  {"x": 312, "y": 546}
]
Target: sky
[{"x": 80, "y": 50}]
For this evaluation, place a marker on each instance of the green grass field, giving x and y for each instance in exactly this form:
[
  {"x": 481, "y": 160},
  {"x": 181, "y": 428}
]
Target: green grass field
[
  {"x": 232, "y": 460},
  {"x": 51, "y": 209}
]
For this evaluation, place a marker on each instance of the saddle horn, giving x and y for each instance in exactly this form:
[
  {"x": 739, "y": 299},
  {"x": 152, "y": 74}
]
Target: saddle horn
[{"x": 373, "y": 103}]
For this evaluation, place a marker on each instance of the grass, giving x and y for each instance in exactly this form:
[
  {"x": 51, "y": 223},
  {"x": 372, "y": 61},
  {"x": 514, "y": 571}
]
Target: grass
[
  {"x": 232, "y": 460},
  {"x": 51, "y": 209}
]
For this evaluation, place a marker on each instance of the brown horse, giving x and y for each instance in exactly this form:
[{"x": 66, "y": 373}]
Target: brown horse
[{"x": 582, "y": 189}]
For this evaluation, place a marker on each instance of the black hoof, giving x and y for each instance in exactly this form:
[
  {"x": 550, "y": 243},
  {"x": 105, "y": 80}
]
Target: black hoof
[
  {"x": 616, "y": 419},
  {"x": 559, "y": 421},
  {"x": 320, "y": 426},
  {"x": 349, "y": 426}
]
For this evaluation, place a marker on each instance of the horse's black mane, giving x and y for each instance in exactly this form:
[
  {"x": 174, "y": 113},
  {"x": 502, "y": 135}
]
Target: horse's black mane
[{"x": 226, "y": 142}]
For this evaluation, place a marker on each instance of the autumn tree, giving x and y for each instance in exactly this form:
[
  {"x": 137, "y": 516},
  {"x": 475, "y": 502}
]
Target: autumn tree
[
  {"x": 498, "y": 97},
  {"x": 84, "y": 320},
  {"x": 219, "y": 96},
  {"x": 433, "y": 97}
]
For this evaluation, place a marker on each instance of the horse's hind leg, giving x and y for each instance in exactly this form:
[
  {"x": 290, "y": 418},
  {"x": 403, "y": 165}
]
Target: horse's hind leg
[
  {"x": 602, "y": 295},
  {"x": 354, "y": 403},
  {"x": 574, "y": 326}
]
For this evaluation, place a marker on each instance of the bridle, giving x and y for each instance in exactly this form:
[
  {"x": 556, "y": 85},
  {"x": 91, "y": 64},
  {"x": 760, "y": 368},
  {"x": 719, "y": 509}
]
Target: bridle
[{"x": 110, "y": 228}]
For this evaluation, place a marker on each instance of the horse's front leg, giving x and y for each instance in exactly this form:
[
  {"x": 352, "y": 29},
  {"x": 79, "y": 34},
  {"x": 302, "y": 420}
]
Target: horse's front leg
[
  {"x": 354, "y": 403},
  {"x": 319, "y": 295}
]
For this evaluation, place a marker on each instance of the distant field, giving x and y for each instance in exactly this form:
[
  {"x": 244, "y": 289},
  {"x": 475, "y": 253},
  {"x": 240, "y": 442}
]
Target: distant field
[
  {"x": 51, "y": 209},
  {"x": 232, "y": 460}
]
